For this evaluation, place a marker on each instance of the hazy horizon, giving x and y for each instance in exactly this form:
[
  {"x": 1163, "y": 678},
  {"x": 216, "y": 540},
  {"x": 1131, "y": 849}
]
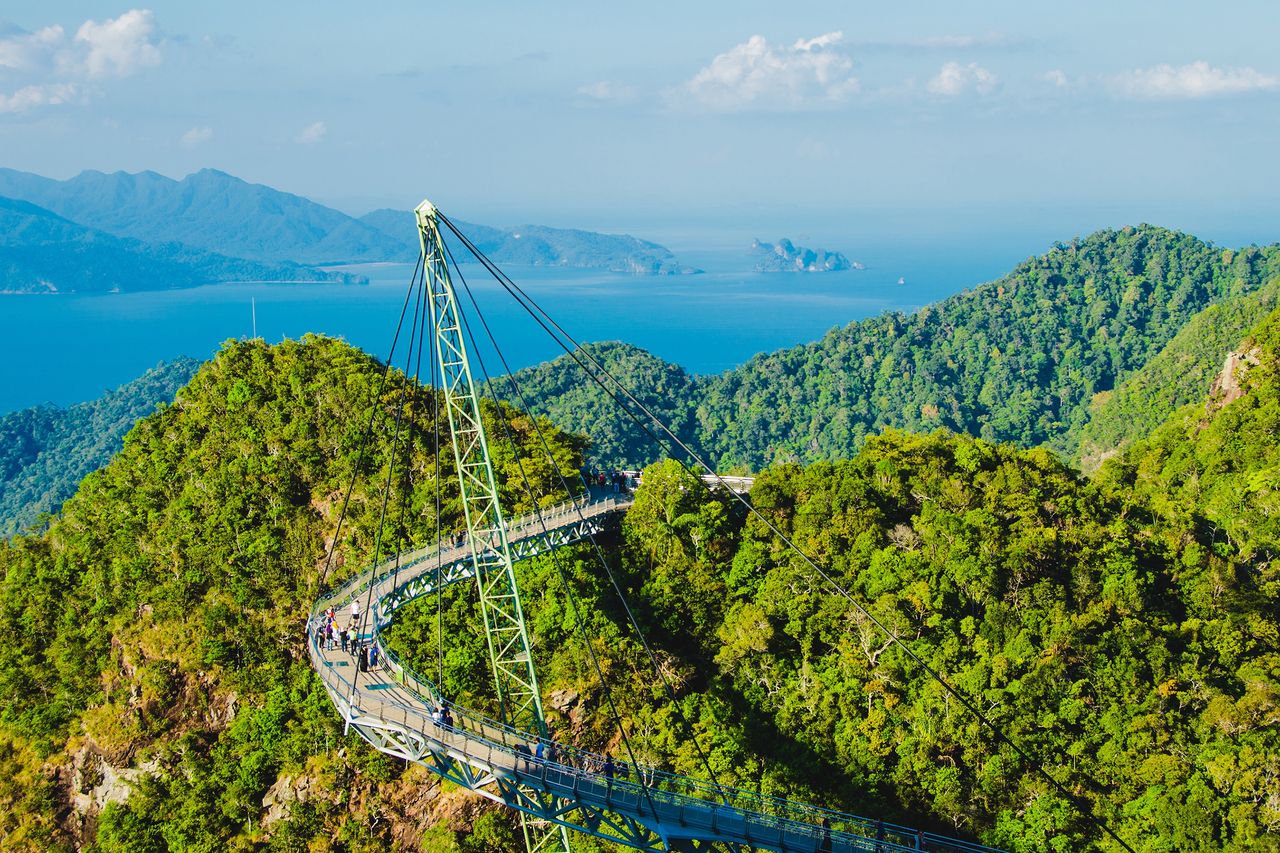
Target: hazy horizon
[{"x": 942, "y": 119}]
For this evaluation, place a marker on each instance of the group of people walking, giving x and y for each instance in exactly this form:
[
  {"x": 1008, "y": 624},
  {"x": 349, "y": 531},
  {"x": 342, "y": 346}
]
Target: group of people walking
[
  {"x": 622, "y": 482},
  {"x": 330, "y": 635}
]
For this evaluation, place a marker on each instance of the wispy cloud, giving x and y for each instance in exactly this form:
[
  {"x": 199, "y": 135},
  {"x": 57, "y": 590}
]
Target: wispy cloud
[
  {"x": 54, "y": 68},
  {"x": 949, "y": 41},
  {"x": 954, "y": 79},
  {"x": 1057, "y": 78},
  {"x": 1195, "y": 80},
  {"x": 758, "y": 75},
  {"x": 609, "y": 90},
  {"x": 28, "y": 97},
  {"x": 196, "y": 136},
  {"x": 312, "y": 133}
]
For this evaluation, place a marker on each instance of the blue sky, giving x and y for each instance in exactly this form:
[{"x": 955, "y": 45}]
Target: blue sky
[{"x": 948, "y": 118}]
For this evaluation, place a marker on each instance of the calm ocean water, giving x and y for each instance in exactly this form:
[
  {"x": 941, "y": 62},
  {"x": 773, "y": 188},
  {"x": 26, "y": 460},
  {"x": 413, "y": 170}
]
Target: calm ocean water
[{"x": 66, "y": 349}]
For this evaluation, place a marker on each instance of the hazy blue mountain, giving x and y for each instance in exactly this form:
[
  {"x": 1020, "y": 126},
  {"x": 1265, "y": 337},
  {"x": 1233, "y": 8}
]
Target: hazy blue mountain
[
  {"x": 42, "y": 252},
  {"x": 539, "y": 245},
  {"x": 45, "y": 451},
  {"x": 209, "y": 210},
  {"x": 785, "y": 256}
]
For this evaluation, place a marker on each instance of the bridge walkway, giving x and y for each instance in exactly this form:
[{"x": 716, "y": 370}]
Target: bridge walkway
[{"x": 647, "y": 809}]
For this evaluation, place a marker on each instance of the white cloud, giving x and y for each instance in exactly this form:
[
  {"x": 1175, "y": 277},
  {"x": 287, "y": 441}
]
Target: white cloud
[
  {"x": 1056, "y": 77},
  {"x": 50, "y": 68},
  {"x": 28, "y": 52},
  {"x": 756, "y": 74},
  {"x": 964, "y": 41},
  {"x": 1195, "y": 80},
  {"x": 608, "y": 90},
  {"x": 36, "y": 96},
  {"x": 196, "y": 136},
  {"x": 954, "y": 79},
  {"x": 120, "y": 46},
  {"x": 312, "y": 133}
]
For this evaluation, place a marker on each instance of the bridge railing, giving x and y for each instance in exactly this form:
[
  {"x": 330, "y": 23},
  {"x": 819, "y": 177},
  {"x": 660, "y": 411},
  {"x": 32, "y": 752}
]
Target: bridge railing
[
  {"x": 651, "y": 784},
  {"x": 578, "y": 773},
  {"x": 527, "y": 525},
  {"x": 576, "y": 766}
]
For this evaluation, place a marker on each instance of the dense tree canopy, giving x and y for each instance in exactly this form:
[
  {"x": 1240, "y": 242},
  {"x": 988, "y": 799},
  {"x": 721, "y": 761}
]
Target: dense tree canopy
[
  {"x": 1123, "y": 629},
  {"x": 1023, "y": 359}
]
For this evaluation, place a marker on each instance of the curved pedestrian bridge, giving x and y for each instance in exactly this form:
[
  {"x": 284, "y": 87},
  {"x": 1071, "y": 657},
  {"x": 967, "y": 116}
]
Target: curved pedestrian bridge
[{"x": 645, "y": 809}]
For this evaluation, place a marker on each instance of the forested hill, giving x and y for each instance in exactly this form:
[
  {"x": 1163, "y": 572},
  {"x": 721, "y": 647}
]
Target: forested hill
[
  {"x": 45, "y": 451},
  {"x": 1020, "y": 359},
  {"x": 154, "y": 632},
  {"x": 154, "y": 692}
]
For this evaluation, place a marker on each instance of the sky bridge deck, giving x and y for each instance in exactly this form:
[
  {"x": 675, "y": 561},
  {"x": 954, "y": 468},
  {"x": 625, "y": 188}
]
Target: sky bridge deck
[{"x": 646, "y": 809}]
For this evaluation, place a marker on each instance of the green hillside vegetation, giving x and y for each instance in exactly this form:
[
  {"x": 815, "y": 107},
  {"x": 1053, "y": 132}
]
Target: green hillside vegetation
[
  {"x": 45, "y": 451},
  {"x": 158, "y": 622},
  {"x": 1021, "y": 359},
  {"x": 1124, "y": 629},
  {"x": 1176, "y": 376},
  {"x": 578, "y": 405}
]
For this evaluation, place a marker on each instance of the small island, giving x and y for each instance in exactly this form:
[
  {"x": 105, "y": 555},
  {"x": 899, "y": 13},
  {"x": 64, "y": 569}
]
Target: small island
[{"x": 785, "y": 256}]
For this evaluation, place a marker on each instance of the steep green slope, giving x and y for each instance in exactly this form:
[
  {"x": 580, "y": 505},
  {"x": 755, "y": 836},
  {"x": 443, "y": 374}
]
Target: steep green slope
[
  {"x": 157, "y": 625},
  {"x": 562, "y": 390},
  {"x": 41, "y": 252},
  {"x": 1019, "y": 359},
  {"x": 153, "y": 631},
  {"x": 1177, "y": 375},
  {"x": 45, "y": 451},
  {"x": 1215, "y": 467}
]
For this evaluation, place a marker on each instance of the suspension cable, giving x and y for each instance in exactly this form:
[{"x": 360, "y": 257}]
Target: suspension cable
[
  {"x": 364, "y": 439},
  {"x": 599, "y": 551},
  {"x": 538, "y": 313},
  {"x": 366, "y": 616},
  {"x": 555, "y": 557}
]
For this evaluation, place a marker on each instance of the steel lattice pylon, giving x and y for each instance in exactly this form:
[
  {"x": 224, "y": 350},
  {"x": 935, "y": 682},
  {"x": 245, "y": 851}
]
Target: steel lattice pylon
[{"x": 520, "y": 704}]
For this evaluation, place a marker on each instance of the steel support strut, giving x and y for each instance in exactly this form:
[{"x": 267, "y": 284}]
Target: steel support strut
[{"x": 519, "y": 703}]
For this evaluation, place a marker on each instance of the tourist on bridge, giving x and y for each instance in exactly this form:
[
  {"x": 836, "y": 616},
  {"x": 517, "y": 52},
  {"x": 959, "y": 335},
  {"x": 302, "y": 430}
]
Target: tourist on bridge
[
  {"x": 608, "y": 770},
  {"x": 447, "y": 720},
  {"x": 355, "y": 610},
  {"x": 343, "y": 636},
  {"x": 363, "y": 657},
  {"x": 373, "y": 655},
  {"x": 437, "y": 716}
]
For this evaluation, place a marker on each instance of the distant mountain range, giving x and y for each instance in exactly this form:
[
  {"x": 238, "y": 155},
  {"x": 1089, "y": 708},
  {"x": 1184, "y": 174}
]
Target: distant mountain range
[
  {"x": 42, "y": 252},
  {"x": 785, "y": 256},
  {"x": 208, "y": 210},
  {"x": 539, "y": 245},
  {"x": 212, "y": 211}
]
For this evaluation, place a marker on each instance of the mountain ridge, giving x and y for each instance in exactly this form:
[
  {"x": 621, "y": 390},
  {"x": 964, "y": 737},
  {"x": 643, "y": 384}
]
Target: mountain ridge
[
  {"x": 44, "y": 252},
  {"x": 215, "y": 211}
]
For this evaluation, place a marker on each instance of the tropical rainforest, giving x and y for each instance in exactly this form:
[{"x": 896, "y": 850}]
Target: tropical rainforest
[
  {"x": 1121, "y": 627},
  {"x": 1033, "y": 358}
]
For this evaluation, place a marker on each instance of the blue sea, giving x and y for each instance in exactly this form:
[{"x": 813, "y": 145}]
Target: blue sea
[{"x": 65, "y": 349}]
